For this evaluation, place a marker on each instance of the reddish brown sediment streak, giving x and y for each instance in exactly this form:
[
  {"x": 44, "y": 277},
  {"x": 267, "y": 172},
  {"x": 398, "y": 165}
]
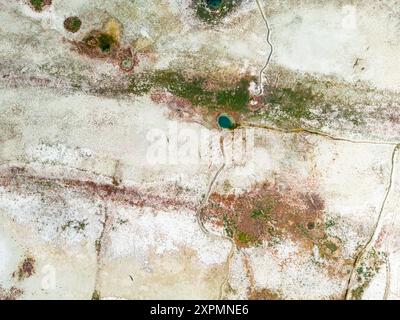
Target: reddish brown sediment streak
[
  {"x": 179, "y": 107},
  {"x": 177, "y": 103},
  {"x": 186, "y": 110},
  {"x": 15, "y": 81},
  {"x": 18, "y": 181},
  {"x": 10, "y": 294}
]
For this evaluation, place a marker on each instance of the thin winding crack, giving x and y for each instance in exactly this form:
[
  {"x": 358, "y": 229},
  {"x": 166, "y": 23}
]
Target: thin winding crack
[
  {"x": 261, "y": 89},
  {"x": 388, "y": 285},
  {"x": 99, "y": 252},
  {"x": 68, "y": 167},
  {"x": 261, "y": 86},
  {"x": 209, "y": 233},
  {"x": 99, "y": 241},
  {"x": 308, "y": 131},
  {"x": 318, "y": 133},
  {"x": 365, "y": 248}
]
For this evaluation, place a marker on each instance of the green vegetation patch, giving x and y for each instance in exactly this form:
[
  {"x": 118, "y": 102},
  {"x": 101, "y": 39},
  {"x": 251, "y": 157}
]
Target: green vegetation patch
[
  {"x": 331, "y": 246},
  {"x": 328, "y": 247},
  {"x": 264, "y": 209},
  {"x": 78, "y": 226},
  {"x": 293, "y": 107},
  {"x": 246, "y": 239},
  {"x": 72, "y": 24},
  {"x": 330, "y": 223},
  {"x": 195, "y": 90},
  {"x": 140, "y": 84},
  {"x": 258, "y": 213},
  {"x": 241, "y": 237},
  {"x": 105, "y": 42},
  {"x": 366, "y": 272},
  {"x": 38, "y": 5},
  {"x": 230, "y": 226}
]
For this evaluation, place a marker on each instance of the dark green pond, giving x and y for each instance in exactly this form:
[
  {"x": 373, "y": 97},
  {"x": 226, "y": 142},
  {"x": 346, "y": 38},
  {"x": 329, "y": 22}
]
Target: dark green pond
[{"x": 214, "y": 4}]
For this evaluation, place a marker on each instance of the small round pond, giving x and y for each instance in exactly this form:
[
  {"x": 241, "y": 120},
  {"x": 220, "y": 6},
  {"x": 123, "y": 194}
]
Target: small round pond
[
  {"x": 225, "y": 121},
  {"x": 214, "y": 4}
]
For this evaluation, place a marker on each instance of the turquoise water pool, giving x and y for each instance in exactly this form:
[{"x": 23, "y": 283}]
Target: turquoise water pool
[
  {"x": 213, "y": 4},
  {"x": 225, "y": 122}
]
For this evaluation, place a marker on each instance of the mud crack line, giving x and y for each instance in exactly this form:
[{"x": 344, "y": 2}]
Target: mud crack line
[
  {"x": 99, "y": 251},
  {"x": 209, "y": 233},
  {"x": 271, "y": 51},
  {"x": 317, "y": 133},
  {"x": 375, "y": 233}
]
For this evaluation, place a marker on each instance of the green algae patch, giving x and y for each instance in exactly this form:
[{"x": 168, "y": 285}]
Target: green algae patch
[
  {"x": 72, "y": 24},
  {"x": 101, "y": 41},
  {"x": 212, "y": 11},
  {"x": 39, "y": 5},
  {"x": 106, "y": 42}
]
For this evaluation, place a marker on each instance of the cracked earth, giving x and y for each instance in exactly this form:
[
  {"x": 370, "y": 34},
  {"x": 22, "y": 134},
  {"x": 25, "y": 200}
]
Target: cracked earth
[{"x": 175, "y": 149}]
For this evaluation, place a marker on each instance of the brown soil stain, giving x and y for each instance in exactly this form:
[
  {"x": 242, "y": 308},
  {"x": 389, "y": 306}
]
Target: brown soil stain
[
  {"x": 10, "y": 294},
  {"x": 179, "y": 107},
  {"x": 264, "y": 294},
  {"x": 267, "y": 213},
  {"x": 105, "y": 44},
  {"x": 25, "y": 270}
]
